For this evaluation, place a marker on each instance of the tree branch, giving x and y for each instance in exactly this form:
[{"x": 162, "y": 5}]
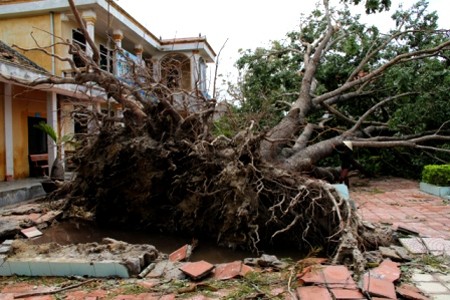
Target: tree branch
[
  {"x": 373, "y": 108},
  {"x": 95, "y": 52}
]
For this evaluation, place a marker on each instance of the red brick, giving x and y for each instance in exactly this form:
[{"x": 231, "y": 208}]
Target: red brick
[
  {"x": 413, "y": 209},
  {"x": 168, "y": 297},
  {"x": 379, "y": 287},
  {"x": 6, "y": 296},
  {"x": 75, "y": 295},
  {"x": 410, "y": 294},
  {"x": 228, "y": 270},
  {"x": 199, "y": 297},
  {"x": 45, "y": 297},
  {"x": 18, "y": 288},
  {"x": 197, "y": 269},
  {"x": 245, "y": 269},
  {"x": 313, "y": 293},
  {"x": 334, "y": 276},
  {"x": 149, "y": 283},
  {"x": 388, "y": 270},
  {"x": 145, "y": 296},
  {"x": 180, "y": 254},
  {"x": 84, "y": 295},
  {"x": 347, "y": 294}
]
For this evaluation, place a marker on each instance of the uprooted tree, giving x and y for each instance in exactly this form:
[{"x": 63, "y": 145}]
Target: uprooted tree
[{"x": 160, "y": 166}]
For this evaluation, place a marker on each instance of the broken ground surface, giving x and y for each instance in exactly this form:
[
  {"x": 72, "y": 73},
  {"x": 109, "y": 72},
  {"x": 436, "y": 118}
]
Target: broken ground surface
[{"x": 258, "y": 279}]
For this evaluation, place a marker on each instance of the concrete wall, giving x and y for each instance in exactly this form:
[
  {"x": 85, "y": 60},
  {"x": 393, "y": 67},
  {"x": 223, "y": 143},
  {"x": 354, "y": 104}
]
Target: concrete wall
[
  {"x": 2, "y": 133},
  {"x": 18, "y": 32},
  {"x": 25, "y": 103}
]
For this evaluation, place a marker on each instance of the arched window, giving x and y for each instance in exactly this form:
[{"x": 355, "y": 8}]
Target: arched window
[{"x": 176, "y": 71}]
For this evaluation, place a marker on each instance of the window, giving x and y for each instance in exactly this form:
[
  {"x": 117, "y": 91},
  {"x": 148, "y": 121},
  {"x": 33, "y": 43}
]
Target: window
[
  {"x": 176, "y": 71},
  {"x": 81, "y": 119},
  {"x": 202, "y": 79},
  {"x": 106, "y": 61},
  {"x": 173, "y": 77},
  {"x": 78, "y": 39}
]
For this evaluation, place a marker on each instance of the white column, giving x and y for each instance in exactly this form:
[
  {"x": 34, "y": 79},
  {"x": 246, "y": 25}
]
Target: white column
[
  {"x": 9, "y": 146},
  {"x": 138, "y": 51},
  {"x": 90, "y": 18},
  {"x": 195, "y": 71},
  {"x": 52, "y": 120},
  {"x": 117, "y": 37}
]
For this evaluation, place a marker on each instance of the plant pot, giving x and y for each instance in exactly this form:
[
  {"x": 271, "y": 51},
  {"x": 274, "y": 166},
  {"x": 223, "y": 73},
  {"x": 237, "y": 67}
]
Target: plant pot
[
  {"x": 57, "y": 172},
  {"x": 441, "y": 191},
  {"x": 49, "y": 185}
]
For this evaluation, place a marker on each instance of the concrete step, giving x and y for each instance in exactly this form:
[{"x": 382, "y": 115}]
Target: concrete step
[{"x": 19, "y": 191}]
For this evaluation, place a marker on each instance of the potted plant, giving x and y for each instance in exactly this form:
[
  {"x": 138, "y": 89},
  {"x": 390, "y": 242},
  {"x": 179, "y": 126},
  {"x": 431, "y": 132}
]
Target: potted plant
[
  {"x": 436, "y": 180},
  {"x": 57, "y": 169}
]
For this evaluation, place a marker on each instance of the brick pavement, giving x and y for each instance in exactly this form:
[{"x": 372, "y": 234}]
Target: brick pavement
[
  {"x": 390, "y": 200},
  {"x": 399, "y": 202}
]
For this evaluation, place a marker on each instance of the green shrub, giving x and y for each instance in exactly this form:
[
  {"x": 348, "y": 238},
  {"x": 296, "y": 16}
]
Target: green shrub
[{"x": 436, "y": 174}]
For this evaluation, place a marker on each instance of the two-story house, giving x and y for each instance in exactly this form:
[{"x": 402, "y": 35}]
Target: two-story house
[{"x": 179, "y": 63}]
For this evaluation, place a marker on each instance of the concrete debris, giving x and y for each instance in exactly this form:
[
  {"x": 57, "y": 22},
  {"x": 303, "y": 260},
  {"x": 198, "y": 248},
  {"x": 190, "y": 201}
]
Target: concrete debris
[
  {"x": 389, "y": 253},
  {"x": 111, "y": 258},
  {"x": 266, "y": 261},
  {"x": 402, "y": 252}
]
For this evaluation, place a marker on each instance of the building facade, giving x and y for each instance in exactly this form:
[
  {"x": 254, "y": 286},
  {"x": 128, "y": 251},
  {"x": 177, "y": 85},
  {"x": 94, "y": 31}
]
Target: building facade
[{"x": 178, "y": 63}]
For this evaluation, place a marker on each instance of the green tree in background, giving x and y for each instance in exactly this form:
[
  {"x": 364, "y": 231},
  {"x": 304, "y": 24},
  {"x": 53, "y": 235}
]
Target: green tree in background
[{"x": 386, "y": 92}]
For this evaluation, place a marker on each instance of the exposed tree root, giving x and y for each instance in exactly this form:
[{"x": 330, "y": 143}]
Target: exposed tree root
[{"x": 177, "y": 181}]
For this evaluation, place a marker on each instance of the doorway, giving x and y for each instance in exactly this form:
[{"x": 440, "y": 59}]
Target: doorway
[{"x": 37, "y": 139}]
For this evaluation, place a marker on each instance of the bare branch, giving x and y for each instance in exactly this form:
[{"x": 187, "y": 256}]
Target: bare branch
[
  {"x": 95, "y": 52},
  {"x": 374, "y": 108},
  {"x": 217, "y": 67}
]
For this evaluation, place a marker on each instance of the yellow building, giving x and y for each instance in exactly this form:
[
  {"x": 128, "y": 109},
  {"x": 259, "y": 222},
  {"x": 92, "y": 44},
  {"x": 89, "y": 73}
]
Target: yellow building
[{"x": 179, "y": 63}]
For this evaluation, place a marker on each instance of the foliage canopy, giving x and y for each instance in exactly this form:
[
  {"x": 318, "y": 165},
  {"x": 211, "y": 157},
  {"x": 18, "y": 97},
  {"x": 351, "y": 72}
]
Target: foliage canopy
[{"x": 415, "y": 90}]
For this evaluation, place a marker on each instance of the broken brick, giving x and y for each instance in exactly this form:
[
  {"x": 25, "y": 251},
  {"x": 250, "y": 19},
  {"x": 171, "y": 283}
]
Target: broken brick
[
  {"x": 333, "y": 276},
  {"x": 198, "y": 269},
  {"x": 313, "y": 293},
  {"x": 388, "y": 270},
  {"x": 245, "y": 269},
  {"x": 379, "y": 287},
  {"x": 347, "y": 294},
  {"x": 402, "y": 252},
  {"x": 409, "y": 293},
  {"x": 180, "y": 254},
  {"x": 228, "y": 270}
]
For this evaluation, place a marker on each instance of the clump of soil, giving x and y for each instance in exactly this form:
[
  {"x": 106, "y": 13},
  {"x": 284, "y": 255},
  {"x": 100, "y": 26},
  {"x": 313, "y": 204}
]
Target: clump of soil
[{"x": 109, "y": 249}]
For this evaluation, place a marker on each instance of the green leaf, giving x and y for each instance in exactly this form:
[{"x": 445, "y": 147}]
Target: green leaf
[{"x": 48, "y": 130}]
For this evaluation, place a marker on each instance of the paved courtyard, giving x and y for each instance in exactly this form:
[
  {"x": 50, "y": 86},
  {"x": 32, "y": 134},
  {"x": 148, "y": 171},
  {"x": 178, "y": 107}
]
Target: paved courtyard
[{"x": 399, "y": 202}]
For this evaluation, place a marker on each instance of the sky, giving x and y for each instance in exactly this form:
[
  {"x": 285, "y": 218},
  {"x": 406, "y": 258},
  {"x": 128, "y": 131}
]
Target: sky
[{"x": 241, "y": 24}]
